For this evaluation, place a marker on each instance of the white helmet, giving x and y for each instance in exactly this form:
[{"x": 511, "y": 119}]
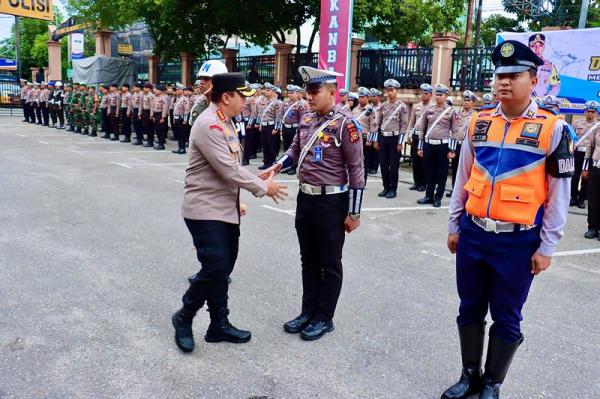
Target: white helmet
[
  {"x": 211, "y": 68},
  {"x": 58, "y": 84}
]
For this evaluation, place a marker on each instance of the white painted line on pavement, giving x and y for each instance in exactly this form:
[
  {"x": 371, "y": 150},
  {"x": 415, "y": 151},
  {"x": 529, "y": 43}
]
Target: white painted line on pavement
[
  {"x": 123, "y": 165},
  {"x": 20, "y": 135},
  {"x": 272, "y": 208},
  {"x": 425, "y": 252},
  {"x": 43, "y": 142},
  {"x": 578, "y": 252}
]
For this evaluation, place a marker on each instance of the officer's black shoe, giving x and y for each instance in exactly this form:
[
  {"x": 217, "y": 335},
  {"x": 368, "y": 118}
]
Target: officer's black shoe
[
  {"x": 391, "y": 194},
  {"x": 86, "y": 131},
  {"x": 421, "y": 188},
  {"x": 106, "y": 136},
  {"x": 581, "y": 204},
  {"x": 298, "y": 324},
  {"x": 373, "y": 172},
  {"x": 591, "y": 233},
  {"x": 70, "y": 129},
  {"x": 291, "y": 172},
  {"x": 414, "y": 187},
  {"x": 245, "y": 163},
  {"x": 220, "y": 329},
  {"x": 147, "y": 145},
  {"x": 499, "y": 357},
  {"x": 437, "y": 203},
  {"x": 93, "y": 133},
  {"x": 114, "y": 138},
  {"x": 126, "y": 140},
  {"x": 316, "y": 329},
  {"x": 184, "y": 337},
  {"x": 449, "y": 194},
  {"x": 78, "y": 130},
  {"x": 263, "y": 167},
  {"x": 253, "y": 156},
  {"x": 425, "y": 200},
  {"x": 382, "y": 194},
  {"x": 137, "y": 142},
  {"x": 159, "y": 147},
  {"x": 471, "y": 348},
  {"x": 573, "y": 202}
]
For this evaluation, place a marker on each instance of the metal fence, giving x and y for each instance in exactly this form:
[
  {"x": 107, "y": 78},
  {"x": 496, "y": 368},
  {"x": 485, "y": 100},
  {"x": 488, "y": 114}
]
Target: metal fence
[
  {"x": 9, "y": 93},
  {"x": 472, "y": 68},
  {"x": 169, "y": 72},
  {"x": 256, "y": 69},
  {"x": 297, "y": 60},
  {"x": 410, "y": 67}
]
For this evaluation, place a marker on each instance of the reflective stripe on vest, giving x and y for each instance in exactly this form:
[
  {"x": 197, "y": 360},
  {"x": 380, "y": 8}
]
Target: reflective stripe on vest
[{"x": 508, "y": 177}]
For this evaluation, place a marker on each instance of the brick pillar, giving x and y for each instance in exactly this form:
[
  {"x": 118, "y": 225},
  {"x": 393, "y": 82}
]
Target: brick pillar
[
  {"x": 54, "y": 60},
  {"x": 153, "y": 61},
  {"x": 229, "y": 55},
  {"x": 443, "y": 44},
  {"x": 34, "y": 73},
  {"x": 187, "y": 64},
  {"x": 103, "y": 42},
  {"x": 282, "y": 54},
  {"x": 356, "y": 46}
]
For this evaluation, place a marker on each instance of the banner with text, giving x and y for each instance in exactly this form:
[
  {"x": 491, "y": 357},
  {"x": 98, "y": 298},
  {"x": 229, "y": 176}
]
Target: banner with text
[
  {"x": 571, "y": 70},
  {"x": 76, "y": 45},
  {"x": 336, "y": 31}
]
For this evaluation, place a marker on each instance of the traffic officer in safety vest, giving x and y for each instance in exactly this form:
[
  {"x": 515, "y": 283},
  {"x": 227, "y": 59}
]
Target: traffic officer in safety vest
[{"x": 506, "y": 216}]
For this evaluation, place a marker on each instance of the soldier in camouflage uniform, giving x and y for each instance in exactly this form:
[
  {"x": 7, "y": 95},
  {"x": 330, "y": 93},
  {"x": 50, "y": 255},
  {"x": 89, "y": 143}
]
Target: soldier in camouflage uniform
[
  {"x": 92, "y": 112},
  {"x": 68, "y": 106},
  {"x": 81, "y": 122}
]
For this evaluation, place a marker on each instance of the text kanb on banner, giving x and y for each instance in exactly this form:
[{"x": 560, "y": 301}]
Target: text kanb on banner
[
  {"x": 336, "y": 29},
  {"x": 37, "y": 9}
]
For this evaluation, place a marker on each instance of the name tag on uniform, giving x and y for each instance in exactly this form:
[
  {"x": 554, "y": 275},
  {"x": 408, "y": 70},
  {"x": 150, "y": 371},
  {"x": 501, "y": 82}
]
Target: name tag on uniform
[{"x": 318, "y": 154}]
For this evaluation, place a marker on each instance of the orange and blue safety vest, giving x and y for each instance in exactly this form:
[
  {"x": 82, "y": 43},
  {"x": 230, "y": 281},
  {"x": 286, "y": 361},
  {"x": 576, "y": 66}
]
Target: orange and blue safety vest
[{"x": 508, "y": 177}]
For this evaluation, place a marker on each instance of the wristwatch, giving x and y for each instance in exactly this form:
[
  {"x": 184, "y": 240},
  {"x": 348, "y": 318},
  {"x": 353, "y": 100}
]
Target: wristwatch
[{"x": 354, "y": 216}]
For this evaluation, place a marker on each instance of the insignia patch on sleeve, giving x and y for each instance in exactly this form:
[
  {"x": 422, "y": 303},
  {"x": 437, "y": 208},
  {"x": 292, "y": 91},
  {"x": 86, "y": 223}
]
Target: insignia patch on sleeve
[
  {"x": 216, "y": 127},
  {"x": 354, "y": 134},
  {"x": 482, "y": 127},
  {"x": 531, "y": 130}
]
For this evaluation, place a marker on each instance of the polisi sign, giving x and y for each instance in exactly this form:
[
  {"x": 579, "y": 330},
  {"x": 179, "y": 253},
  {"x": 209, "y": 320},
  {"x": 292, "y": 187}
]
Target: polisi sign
[{"x": 37, "y": 9}]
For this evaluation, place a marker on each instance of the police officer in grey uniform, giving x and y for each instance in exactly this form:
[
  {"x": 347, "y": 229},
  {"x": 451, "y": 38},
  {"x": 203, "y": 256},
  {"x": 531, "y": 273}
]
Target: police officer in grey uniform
[{"x": 212, "y": 210}]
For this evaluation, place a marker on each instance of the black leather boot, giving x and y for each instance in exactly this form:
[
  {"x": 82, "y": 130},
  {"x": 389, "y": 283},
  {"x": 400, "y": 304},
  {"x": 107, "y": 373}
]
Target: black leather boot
[
  {"x": 182, "y": 322},
  {"x": 499, "y": 357},
  {"x": 471, "y": 347},
  {"x": 220, "y": 329}
]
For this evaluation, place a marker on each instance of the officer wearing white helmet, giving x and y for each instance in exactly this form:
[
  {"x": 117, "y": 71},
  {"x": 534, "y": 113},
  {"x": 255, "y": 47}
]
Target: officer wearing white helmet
[{"x": 204, "y": 75}]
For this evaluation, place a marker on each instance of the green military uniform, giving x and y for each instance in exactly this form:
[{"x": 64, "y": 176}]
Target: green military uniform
[
  {"x": 68, "y": 108},
  {"x": 93, "y": 102},
  {"x": 81, "y": 115}
]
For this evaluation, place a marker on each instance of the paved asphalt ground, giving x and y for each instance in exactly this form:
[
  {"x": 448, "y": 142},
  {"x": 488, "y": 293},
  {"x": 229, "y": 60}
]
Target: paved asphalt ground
[{"x": 94, "y": 258}]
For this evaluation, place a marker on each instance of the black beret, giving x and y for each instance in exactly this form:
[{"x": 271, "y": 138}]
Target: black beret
[{"x": 512, "y": 56}]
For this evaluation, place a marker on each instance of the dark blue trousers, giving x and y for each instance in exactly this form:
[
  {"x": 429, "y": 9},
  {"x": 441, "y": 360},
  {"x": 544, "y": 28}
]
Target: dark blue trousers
[{"x": 494, "y": 271}]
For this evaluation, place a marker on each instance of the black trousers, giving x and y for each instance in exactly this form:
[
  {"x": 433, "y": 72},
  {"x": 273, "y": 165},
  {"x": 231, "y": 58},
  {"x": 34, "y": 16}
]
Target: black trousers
[
  {"x": 217, "y": 246},
  {"x": 373, "y": 158},
  {"x": 594, "y": 199},
  {"x": 30, "y": 113},
  {"x": 578, "y": 194},
  {"x": 436, "y": 159},
  {"x": 148, "y": 126},
  {"x": 125, "y": 123},
  {"x": 454, "y": 163},
  {"x": 159, "y": 128},
  {"x": 61, "y": 115},
  {"x": 38, "y": 113},
  {"x": 45, "y": 113},
  {"x": 270, "y": 144},
  {"x": 104, "y": 120},
  {"x": 171, "y": 122},
  {"x": 24, "y": 106},
  {"x": 137, "y": 125},
  {"x": 178, "y": 132},
  {"x": 390, "y": 162},
  {"x": 249, "y": 143},
  {"x": 417, "y": 163},
  {"x": 114, "y": 121},
  {"x": 53, "y": 114},
  {"x": 366, "y": 157},
  {"x": 288, "y": 135},
  {"x": 321, "y": 235}
]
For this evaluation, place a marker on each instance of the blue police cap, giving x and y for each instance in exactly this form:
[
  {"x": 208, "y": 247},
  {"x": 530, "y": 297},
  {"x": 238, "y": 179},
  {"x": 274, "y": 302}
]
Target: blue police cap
[
  {"x": 512, "y": 56},
  {"x": 426, "y": 88},
  {"x": 363, "y": 92},
  {"x": 592, "y": 105}
]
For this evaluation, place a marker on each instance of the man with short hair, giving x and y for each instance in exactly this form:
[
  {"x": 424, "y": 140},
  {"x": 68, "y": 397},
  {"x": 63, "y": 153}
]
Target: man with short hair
[
  {"x": 582, "y": 130},
  {"x": 212, "y": 210},
  {"x": 418, "y": 167}
]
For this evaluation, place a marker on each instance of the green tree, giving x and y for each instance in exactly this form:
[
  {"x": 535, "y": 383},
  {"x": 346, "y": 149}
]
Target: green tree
[{"x": 497, "y": 23}]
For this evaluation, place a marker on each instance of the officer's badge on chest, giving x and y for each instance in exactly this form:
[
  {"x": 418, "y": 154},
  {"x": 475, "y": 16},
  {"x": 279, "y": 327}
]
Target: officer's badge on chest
[
  {"x": 531, "y": 130},
  {"x": 480, "y": 133}
]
